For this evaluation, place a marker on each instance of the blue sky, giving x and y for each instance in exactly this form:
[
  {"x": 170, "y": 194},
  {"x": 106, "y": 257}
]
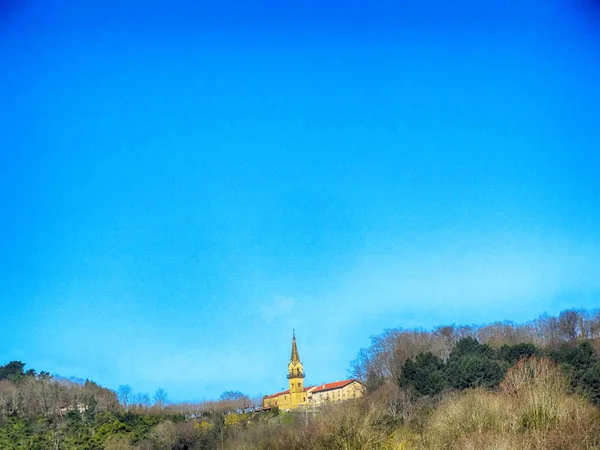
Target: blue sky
[{"x": 181, "y": 183}]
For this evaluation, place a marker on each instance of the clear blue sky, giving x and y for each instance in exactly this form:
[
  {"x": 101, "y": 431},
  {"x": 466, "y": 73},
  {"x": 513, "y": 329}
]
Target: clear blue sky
[{"x": 181, "y": 184}]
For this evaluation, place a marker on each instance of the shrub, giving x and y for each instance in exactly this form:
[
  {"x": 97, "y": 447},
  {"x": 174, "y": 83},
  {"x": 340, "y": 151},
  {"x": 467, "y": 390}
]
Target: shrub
[
  {"x": 460, "y": 416},
  {"x": 532, "y": 410}
]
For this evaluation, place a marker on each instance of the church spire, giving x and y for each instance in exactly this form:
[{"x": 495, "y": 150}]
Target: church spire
[{"x": 295, "y": 358}]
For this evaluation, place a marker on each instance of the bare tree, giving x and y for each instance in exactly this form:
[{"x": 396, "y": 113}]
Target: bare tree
[
  {"x": 547, "y": 330},
  {"x": 234, "y": 401},
  {"x": 568, "y": 323},
  {"x": 141, "y": 400},
  {"x": 106, "y": 399},
  {"x": 8, "y": 397},
  {"x": 382, "y": 361},
  {"x": 444, "y": 340},
  {"x": 124, "y": 395},
  {"x": 594, "y": 323},
  {"x": 160, "y": 398}
]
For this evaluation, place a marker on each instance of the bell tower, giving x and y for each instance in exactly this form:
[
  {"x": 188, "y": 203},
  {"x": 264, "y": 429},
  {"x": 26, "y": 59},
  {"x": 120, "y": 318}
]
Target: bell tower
[{"x": 296, "y": 376}]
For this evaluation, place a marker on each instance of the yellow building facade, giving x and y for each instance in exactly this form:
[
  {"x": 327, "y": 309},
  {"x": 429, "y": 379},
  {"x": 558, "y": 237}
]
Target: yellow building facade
[{"x": 299, "y": 396}]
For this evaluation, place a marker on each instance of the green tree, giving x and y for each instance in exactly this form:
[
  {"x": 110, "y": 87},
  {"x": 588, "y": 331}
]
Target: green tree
[
  {"x": 425, "y": 374},
  {"x": 513, "y": 353},
  {"x": 590, "y": 383},
  {"x": 580, "y": 357},
  {"x": 475, "y": 371},
  {"x": 582, "y": 367},
  {"x": 470, "y": 346},
  {"x": 12, "y": 371}
]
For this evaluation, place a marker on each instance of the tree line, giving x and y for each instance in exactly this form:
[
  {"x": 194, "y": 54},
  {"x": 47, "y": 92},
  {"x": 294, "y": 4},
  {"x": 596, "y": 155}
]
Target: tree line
[
  {"x": 531, "y": 386},
  {"x": 472, "y": 364},
  {"x": 382, "y": 362},
  {"x": 39, "y": 411}
]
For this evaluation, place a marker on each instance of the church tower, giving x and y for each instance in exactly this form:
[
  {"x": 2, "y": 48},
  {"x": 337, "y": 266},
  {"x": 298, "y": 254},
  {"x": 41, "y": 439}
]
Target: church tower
[{"x": 296, "y": 376}]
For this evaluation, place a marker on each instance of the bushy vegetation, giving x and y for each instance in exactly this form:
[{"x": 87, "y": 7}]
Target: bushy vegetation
[
  {"x": 531, "y": 410},
  {"x": 504, "y": 386}
]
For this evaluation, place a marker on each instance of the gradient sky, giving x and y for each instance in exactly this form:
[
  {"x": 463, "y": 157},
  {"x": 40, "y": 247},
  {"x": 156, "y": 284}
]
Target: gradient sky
[{"x": 181, "y": 184}]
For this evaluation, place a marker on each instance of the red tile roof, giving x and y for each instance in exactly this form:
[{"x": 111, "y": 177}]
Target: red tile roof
[
  {"x": 277, "y": 394},
  {"x": 334, "y": 385},
  {"x": 319, "y": 388}
]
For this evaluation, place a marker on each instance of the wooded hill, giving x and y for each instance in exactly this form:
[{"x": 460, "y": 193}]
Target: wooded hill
[{"x": 503, "y": 385}]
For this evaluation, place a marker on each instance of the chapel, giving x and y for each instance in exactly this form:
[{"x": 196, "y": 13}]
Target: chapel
[{"x": 299, "y": 396}]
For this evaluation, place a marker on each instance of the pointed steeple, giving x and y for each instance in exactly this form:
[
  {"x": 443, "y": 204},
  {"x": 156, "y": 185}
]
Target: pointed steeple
[{"x": 295, "y": 358}]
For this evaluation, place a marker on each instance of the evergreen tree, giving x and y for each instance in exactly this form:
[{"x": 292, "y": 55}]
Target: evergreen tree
[{"x": 425, "y": 374}]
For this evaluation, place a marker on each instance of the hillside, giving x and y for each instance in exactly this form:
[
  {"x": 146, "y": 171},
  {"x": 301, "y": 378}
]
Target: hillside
[{"x": 503, "y": 385}]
